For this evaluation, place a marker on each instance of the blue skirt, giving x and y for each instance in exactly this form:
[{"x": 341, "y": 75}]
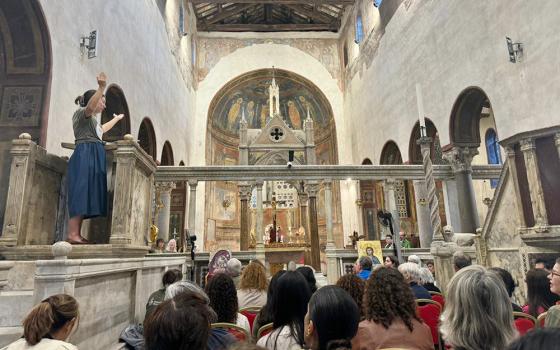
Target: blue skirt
[{"x": 87, "y": 181}]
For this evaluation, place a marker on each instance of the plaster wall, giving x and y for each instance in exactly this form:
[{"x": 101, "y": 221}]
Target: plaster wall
[
  {"x": 138, "y": 48},
  {"x": 447, "y": 46}
]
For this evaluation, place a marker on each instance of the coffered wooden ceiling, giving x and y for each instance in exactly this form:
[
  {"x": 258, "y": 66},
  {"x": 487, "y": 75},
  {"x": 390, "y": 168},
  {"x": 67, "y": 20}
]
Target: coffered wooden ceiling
[{"x": 269, "y": 15}]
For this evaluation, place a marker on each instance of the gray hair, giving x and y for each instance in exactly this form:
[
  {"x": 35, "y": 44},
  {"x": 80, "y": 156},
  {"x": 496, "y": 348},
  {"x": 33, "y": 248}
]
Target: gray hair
[
  {"x": 415, "y": 259},
  {"x": 426, "y": 276},
  {"x": 184, "y": 286},
  {"x": 478, "y": 312},
  {"x": 410, "y": 271},
  {"x": 233, "y": 267}
]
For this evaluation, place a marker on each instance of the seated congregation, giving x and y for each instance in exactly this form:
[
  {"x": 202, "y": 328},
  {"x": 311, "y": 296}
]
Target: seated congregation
[{"x": 388, "y": 306}]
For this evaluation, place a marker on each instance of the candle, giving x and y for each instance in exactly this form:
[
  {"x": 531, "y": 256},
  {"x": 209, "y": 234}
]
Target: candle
[{"x": 420, "y": 103}]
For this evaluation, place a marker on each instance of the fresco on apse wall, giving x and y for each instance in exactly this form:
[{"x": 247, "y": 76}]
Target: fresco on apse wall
[
  {"x": 252, "y": 99},
  {"x": 211, "y": 50}
]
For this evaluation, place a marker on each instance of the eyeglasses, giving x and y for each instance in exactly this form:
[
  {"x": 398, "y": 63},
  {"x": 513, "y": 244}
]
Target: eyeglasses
[{"x": 554, "y": 273}]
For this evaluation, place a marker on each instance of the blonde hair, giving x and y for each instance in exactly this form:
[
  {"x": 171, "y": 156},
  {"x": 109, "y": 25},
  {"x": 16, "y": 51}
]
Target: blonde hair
[
  {"x": 478, "y": 313},
  {"x": 254, "y": 277},
  {"x": 48, "y": 317}
]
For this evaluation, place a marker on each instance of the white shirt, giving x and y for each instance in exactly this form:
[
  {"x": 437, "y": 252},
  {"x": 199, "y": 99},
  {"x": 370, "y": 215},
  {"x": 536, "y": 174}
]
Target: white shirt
[
  {"x": 284, "y": 341},
  {"x": 44, "y": 344},
  {"x": 243, "y": 322}
]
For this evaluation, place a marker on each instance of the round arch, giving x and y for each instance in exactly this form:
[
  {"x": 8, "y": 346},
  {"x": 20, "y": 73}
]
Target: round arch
[
  {"x": 115, "y": 103},
  {"x": 464, "y": 124},
  {"x": 367, "y": 161},
  {"x": 147, "y": 137},
  {"x": 390, "y": 154},
  {"x": 167, "y": 154},
  {"x": 414, "y": 153}
]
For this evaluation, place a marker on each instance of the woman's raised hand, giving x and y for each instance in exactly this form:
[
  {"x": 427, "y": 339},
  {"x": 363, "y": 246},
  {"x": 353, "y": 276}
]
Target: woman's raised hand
[
  {"x": 102, "y": 80},
  {"x": 118, "y": 116}
]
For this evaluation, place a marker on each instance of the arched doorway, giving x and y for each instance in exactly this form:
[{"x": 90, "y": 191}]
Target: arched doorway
[
  {"x": 167, "y": 154},
  {"x": 147, "y": 138},
  {"x": 115, "y": 104},
  {"x": 25, "y": 67},
  {"x": 368, "y": 204}
]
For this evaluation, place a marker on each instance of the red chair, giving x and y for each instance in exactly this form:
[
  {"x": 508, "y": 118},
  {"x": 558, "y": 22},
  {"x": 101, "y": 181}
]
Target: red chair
[
  {"x": 250, "y": 312},
  {"x": 524, "y": 322},
  {"x": 239, "y": 333},
  {"x": 264, "y": 330},
  {"x": 429, "y": 311},
  {"x": 439, "y": 298}
]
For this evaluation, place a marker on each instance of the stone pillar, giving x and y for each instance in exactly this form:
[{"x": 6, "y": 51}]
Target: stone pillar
[
  {"x": 391, "y": 200},
  {"x": 332, "y": 269},
  {"x": 303, "y": 201},
  {"x": 423, "y": 213},
  {"x": 192, "y": 208},
  {"x": 164, "y": 189},
  {"x": 510, "y": 154},
  {"x": 557, "y": 142},
  {"x": 535, "y": 186},
  {"x": 460, "y": 159},
  {"x": 443, "y": 262},
  {"x": 259, "y": 246},
  {"x": 312, "y": 189},
  {"x": 244, "y": 195}
]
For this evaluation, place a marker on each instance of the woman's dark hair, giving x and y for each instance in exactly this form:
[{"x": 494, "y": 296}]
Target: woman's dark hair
[
  {"x": 171, "y": 276},
  {"x": 83, "y": 100},
  {"x": 339, "y": 344},
  {"x": 181, "y": 323},
  {"x": 223, "y": 297},
  {"x": 335, "y": 315},
  {"x": 506, "y": 277},
  {"x": 354, "y": 286},
  {"x": 309, "y": 275},
  {"x": 538, "y": 339},
  {"x": 538, "y": 291},
  {"x": 289, "y": 305},
  {"x": 388, "y": 297},
  {"x": 48, "y": 317},
  {"x": 160, "y": 240},
  {"x": 266, "y": 315},
  {"x": 394, "y": 260}
]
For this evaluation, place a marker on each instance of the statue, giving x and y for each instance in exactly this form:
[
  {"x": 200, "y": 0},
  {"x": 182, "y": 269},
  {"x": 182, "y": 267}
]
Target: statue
[
  {"x": 461, "y": 239},
  {"x": 355, "y": 238}
]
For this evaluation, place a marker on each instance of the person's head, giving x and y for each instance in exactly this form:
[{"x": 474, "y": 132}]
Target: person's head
[
  {"x": 369, "y": 251},
  {"x": 328, "y": 304},
  {"x": 388, "y": 239},
  {"x": 430, "y": 265},
  {"x": 183, "y": 287},
  {"x": 461, "y": 261},
  {"x": 426, "y": 276},
  {"x": 309, "y": 275},
  {"x": 254, "y": 277},
  {"x": 83, "y": 100},
  {"x": 182, "y": 322},
  {"x": 537, "y": 339},
  {"x": 55, "y": 317},
  {"x": 402, "y": 235},
  {"x": 172, "y": 245},
  {"x": 171, "y": 276},
  {"x": 354, "y": 286},
  {"x": 506, "y": 277},
  {"x": 478, "y": 312},
  {"x": 538, "y": 291},
  {"x": 160, "y": 243},
  {"x": 391, "y": 261},
  {"x": 365, "y": 263},
  {"x": 415, "y": 259},
  {"x": 554, "y": 277},
  {"x": 289, "y": 304},
  {"x": 388, "y": 297},
  {"x": 540, "y": 263},
  {"x": 410, "y": 272},
  {"x": 223, "y": 297},
  {"x": 233, "y": 267}
]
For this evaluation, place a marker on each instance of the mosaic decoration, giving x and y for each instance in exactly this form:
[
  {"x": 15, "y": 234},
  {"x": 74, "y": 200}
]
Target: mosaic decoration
[{"x": 21, "y": 106}]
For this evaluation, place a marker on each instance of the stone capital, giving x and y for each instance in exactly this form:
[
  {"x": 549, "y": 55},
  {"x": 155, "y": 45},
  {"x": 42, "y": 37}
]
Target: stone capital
[
  {"x": 327, "y": 184},
  {"x": 557, "y": 139},
  {"x": 460, "y": 158},
  {"x": 244, "y": 192},
  {"x": 192, "y": 184},
  {"x": 312, "y": 188},
  {"x": 390, "y": 184},
  {"x": 527, "y": 145},
  {"x": 510, "y": 151},
  {"x": 165, "y": 186}
]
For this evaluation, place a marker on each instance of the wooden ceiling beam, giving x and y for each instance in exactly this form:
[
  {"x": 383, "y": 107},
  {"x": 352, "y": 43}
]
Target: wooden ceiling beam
[
  {"x": 224, "y": 14},
  {"x": 275, "y": 2},
  {"x": 315, "y": 15},
  {"x": 267, "y": 27}
]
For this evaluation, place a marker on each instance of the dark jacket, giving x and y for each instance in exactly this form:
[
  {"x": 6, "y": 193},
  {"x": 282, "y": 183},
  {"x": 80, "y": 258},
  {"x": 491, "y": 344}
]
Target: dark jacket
[{"x": 419, "y": 291}]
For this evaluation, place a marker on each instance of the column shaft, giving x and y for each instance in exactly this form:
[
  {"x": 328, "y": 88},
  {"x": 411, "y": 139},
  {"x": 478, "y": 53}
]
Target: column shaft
[
  {"x": 535, "y": 186},
  {"x": 312, "y": 190},
  {"x": 192, "y": 208}
]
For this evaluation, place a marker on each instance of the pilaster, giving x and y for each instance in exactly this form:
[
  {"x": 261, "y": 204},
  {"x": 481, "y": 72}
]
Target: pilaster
[{"x": 528, "y": 149}]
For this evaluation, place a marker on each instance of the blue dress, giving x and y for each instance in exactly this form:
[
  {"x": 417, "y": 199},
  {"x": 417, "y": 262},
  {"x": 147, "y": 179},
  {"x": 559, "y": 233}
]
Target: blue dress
[{"x": 87, "y": 170}]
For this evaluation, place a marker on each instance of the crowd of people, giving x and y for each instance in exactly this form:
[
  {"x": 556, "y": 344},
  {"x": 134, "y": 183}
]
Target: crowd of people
[{"x": 377, "y": 307}]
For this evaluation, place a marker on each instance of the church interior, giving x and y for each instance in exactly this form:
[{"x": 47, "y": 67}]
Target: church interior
[{"x": 285, "y": 133}]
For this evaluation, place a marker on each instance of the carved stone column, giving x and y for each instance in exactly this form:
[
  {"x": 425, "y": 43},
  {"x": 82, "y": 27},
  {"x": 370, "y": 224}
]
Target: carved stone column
[
  {"x": 535, "y": 186},
  {"x": 312, "y": 189},
  {"x": 391, "y": 206},
  {"x": 303, "y": 201},
  {"x": 460, "y": 159},
  {"x": 191, "y": 224},
  {"x": 332, "y": 270},
  {"x": 164, "y": 191},
  {"x": 244, "y": 195},
  {"x": 510, "y": 154},
  {"x": 259, "y": 247},
  {"x": 423, "y": 213}
]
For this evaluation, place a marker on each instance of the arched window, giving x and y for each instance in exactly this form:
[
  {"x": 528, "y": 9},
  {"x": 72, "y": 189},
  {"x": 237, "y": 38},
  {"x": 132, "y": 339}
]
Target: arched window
[
  {"x": 359, "y": 30},
  {"x": 493, "y": 152}
]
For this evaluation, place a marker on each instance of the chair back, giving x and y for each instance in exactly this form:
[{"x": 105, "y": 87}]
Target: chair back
[
  {"x": 429, "y": 311},
  {"x": 251, "y": 313},
  {"x": 541, "y": 319},
  {"x": 239, "y": 333},
  {"x": 524, "y": 322},
  {"x": 439, "y": 298},
  {"x": 264, "y": 330}
]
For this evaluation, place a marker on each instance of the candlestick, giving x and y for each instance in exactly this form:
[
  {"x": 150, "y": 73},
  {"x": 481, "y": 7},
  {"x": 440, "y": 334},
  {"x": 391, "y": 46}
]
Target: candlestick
[{"x": 420, "y": 102}]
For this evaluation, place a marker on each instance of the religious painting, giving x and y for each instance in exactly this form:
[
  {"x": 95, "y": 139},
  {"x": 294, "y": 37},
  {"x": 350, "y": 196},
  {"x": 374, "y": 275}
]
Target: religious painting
[
  {"x": 224, "y": 204},
  {"x": 371, "y": 249},
  {"x": 219, "y": 261}
]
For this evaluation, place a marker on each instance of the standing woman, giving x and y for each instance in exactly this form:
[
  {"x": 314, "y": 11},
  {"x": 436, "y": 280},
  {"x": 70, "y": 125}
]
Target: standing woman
[{"x": 87, "y": 169}]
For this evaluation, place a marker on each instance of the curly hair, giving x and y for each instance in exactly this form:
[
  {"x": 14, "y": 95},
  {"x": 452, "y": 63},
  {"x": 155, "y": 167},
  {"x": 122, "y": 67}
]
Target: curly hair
[
  {"x": 254, "y": 277},
  {"x": 388, "y": 297},
  {"x": 355, "y": 286},
  {"x": 223, "y": 297}
]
